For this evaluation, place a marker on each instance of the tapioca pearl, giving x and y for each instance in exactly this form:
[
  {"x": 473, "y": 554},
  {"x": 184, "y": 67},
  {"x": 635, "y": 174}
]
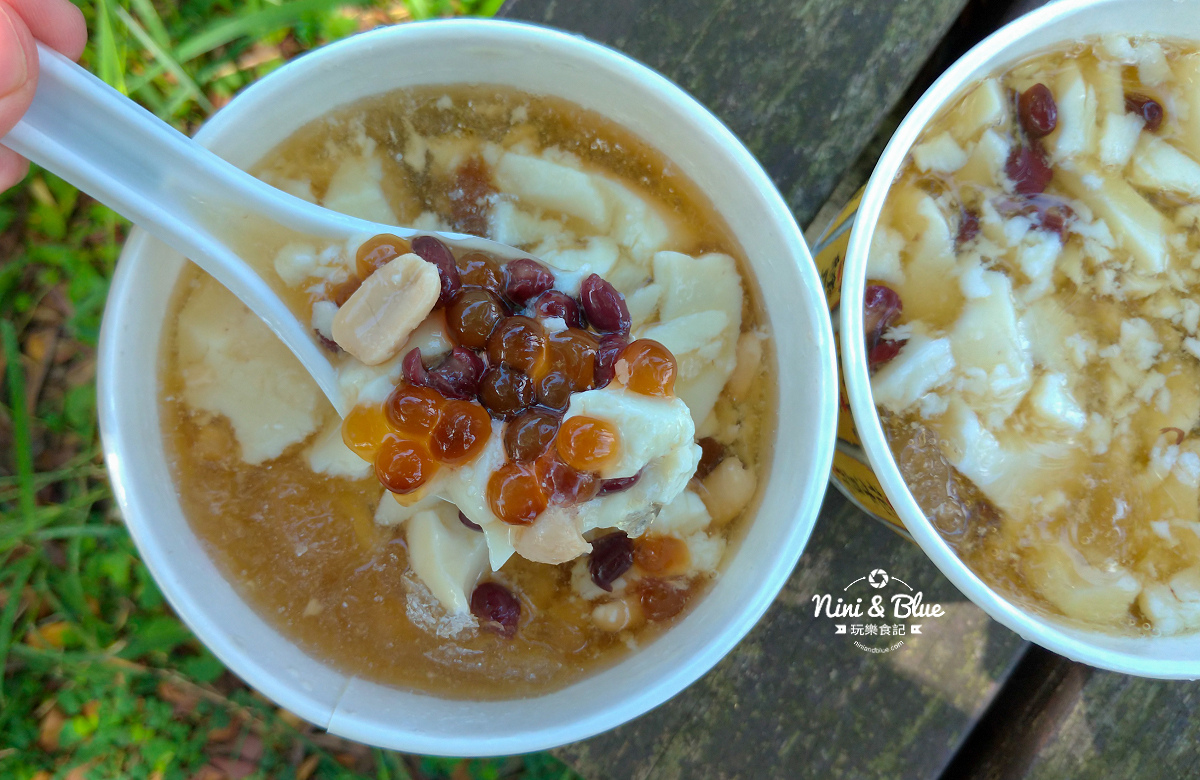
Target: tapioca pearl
[
  {"x": 515, "y": 495},
  {"x": 364, "y": 428},
  {"x": 472, "y": 316},
  {"x": 461, "y": 433},
  {"x": 553, "y": 391},
  {"x": 587, "y": 444},
  {"x": 506, "y": 392},
  {"x": 378, "y": 251},
  {"x": 413, "y": 411},
  {"x": 648, "y": 368},
  {"x": 520, "y": 342},
  {"x": 476, "y": 269},
  {"x": 573, "y": 352},
  {"x": 530, "y": 434},
  {"x": 403, "y": 465},
  {"x": 662, "y": 599},
  {"x": 565, "y": 485}
]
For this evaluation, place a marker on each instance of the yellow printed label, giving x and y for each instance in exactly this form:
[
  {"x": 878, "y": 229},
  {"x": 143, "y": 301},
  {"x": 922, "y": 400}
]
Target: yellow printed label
[
  {"x": 857, "y": 479},
  {"x": 853, "y": 476}
]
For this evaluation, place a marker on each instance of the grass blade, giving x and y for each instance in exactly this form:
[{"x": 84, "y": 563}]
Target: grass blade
[
  {"x": 149, "y": 17},
  {"x": 22, "y": 443},
  {"x": 111, "y": 65},
  {"x": 9, "y": 617},
  {"x": 164, "y": 58},
  {"x": 253, "y": 23}
]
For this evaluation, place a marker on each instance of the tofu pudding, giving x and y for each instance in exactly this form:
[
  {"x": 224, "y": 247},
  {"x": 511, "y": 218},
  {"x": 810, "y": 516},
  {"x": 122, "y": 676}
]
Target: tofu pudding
[
  {"x": 546, "y": 461},
  {"x": 1031, "y": 314}
]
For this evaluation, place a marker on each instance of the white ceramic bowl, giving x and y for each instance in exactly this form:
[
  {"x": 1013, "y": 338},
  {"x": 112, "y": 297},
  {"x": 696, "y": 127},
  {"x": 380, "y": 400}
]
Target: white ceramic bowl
[
  {"x": 540, "y": 61},
  {"x": 1060, "y": 21}
]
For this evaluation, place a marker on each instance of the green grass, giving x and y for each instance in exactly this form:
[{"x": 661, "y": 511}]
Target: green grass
[{"x": 101, "y": 680}]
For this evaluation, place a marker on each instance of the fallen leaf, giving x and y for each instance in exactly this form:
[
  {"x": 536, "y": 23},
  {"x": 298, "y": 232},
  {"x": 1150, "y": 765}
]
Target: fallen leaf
[
  {"x": 92, "y": 708},
  {"x": 289, "y": 718},
  {"x": 225, "y": 733},
  {"x": 50, "y": 728},
  {"x": 49, "y": 635},
  {"x": 208, "y": 772},
  {"x": 79, "y": 772},
  {"x": 345, "y": 759},
  {"x": 182, "y": 700},
  {"x": 235, "y": 768},
  {"x": 252, "y": 748},
  {"x": 307, "y": 767}
]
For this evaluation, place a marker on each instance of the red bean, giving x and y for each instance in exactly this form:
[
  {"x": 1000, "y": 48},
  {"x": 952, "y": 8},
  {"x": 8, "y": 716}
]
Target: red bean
[
  {"x": 433, "y": 251},
  {"x": 497, "y": 609},
  {"x": 712, "y": 452},
  {"x": 618, "y": 484},
  {"x": 883, "y": 351},
  {"x": 611, "y": 556},
  {"x": 458, "y": 375},
  {"x": 611, "y": 347},
  {"x": 414, "y": 368},
  {"x": 1147, "y": 108},
  {"x": 1037, "y": 111},
  {"x": 1028, "y": 169},
  {"x": 604, "y": 306},
  {"x": 525, "y": 278},
  {"x": 553, "y": 303},
  {"x": 566, "y": 485},
  {"x": 881, "y": 307},
  {"x": 467, "y": 522},
  {"x": 1047, "y": 212},
  {"x": 968, "y": 227}
]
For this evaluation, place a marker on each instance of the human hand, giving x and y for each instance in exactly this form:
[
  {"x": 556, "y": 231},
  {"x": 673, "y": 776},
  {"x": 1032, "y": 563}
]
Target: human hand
[{"x": 56, "y": 23}]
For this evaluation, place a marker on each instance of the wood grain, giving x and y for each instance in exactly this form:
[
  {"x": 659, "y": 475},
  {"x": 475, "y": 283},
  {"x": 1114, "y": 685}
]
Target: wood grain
[{"x": 803, "y": 83}]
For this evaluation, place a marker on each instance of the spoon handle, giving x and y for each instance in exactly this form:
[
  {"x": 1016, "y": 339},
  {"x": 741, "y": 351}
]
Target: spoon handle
[{"x": 92, "y": 136}]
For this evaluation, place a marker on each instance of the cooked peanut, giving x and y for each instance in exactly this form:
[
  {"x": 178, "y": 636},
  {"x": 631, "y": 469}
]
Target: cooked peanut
[
  {"x": 727, "y": 490},
  {"x": 749, "y": 357},
  {"x": 379, "y": 317}
]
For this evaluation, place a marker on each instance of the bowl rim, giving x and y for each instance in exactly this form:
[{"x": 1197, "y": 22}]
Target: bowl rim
[
  {"x": 1076, "y": 642},
  {"x": 790, "y": 546}
]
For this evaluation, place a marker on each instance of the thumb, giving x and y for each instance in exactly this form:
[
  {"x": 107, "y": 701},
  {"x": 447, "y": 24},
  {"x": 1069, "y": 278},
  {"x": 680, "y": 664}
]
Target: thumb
[{"x": 18, "y": 67}]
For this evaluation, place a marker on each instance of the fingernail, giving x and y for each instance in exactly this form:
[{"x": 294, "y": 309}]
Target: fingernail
[{"x": 13, "y": 68}]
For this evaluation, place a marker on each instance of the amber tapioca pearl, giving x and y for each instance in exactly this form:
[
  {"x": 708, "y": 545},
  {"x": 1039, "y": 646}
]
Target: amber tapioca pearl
[
  {"x": 662, "y": 598},
  {"x": 660, "y": 554},
  {"x": 472, "y": 315},
  {"x": 378, "y": 251},
  {"x": 506, "y": 392},
  {"x": 461, "y": 433},
  {"x": 572, "y": 352},
  {"x": 478, "y": 270},
  {"x": 530, "y": 434},
  {"x": 587, "y": 444},
  {"x": 648, "y": 368},
  {"x": 515, "y": 494},
  {"x": 520, "y": 342},
  {"x": 364, "y": 428},
  {"x": 553, "y": 391},
  {"x": 413, "y": 411},
  {"x": 403, "y": 465}
]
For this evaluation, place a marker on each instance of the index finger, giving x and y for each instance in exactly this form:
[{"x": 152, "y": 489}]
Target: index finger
[{"x": 56, "y": 23}]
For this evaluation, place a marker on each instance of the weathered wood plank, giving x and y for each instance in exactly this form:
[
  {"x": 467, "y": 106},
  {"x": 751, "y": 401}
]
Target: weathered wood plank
[
  {"x": 803, "y": 83},
  {"x": 1103, "y": 725},
  {"x": 794, "y": 700}
]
